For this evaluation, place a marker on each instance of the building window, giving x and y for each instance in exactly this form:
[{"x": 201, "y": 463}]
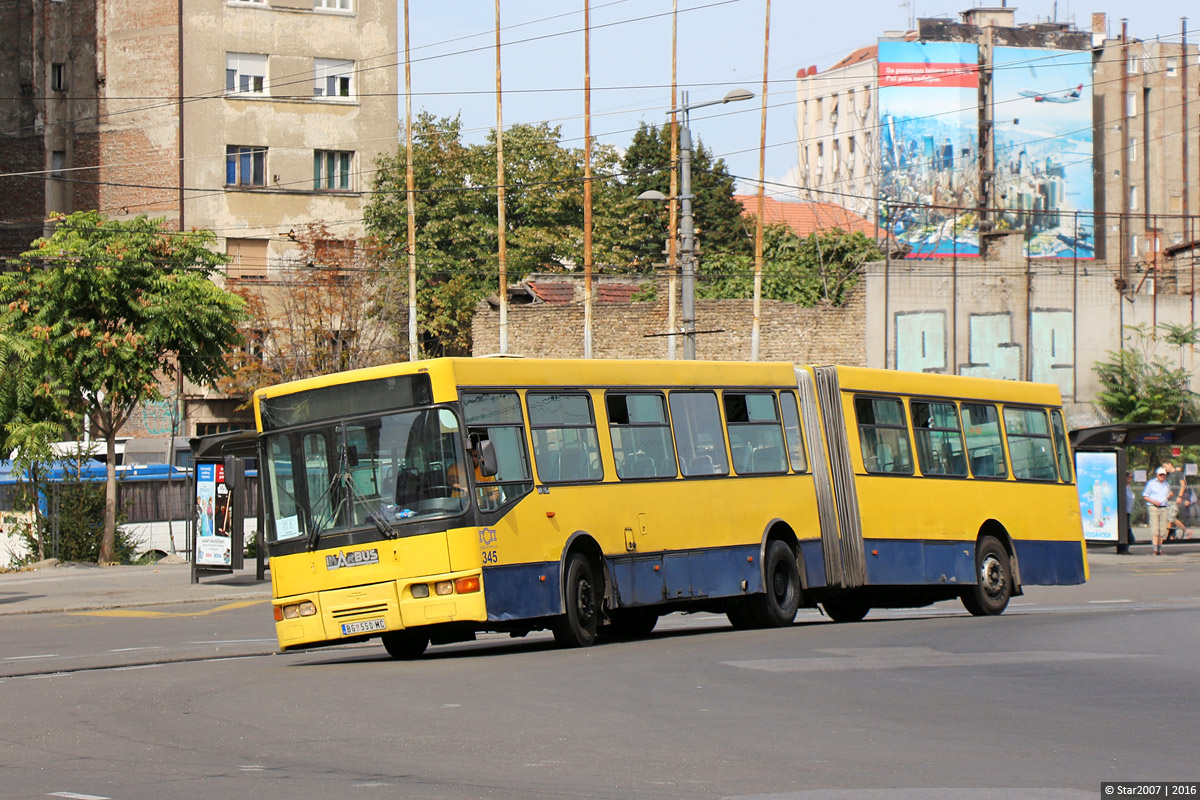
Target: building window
[
  {"x": 331, "y": 169},
  {"x": 1172, "y": 66},
  {"x": 338, "y": 5},
  {"x": 1132, "y": 149},
  {"x": 1133, "y": 198},
  {"x": 331, "y": 77},
  {"x": 248, "y": 2},
  {"x": 245, "y": 165},
  {"x": 1130, "y": 104},
  {"x": 247, "y": 259},
  {"x": 1131, "y": 66},
  {"x": 58, "y": 77},
  {"x": 245, "y": 73},
  {"x": 58, "y": 160}
]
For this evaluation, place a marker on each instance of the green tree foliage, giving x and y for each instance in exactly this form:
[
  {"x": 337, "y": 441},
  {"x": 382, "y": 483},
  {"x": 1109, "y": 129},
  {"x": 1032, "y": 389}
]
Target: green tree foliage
[
  {"x": 818, "y": 268},
  {"x": 456, "y": 212},
  {"x": 721, "y": 230},
  {"x": 1141, "y": 386},
  {"x": 103, "y": 312}
]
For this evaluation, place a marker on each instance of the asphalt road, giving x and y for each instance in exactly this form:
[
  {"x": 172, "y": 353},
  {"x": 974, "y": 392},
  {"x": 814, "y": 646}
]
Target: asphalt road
[{"x": 1071, "y": 687}]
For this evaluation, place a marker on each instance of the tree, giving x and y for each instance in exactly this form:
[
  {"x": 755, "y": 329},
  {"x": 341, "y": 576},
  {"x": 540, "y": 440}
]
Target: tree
[
  {"x": 102, "y": 313},
  {"x": 326, "y": 312},
  {"x": 456, "y": 213},
  {"x": 1141, "y": 386},
  {"x": 721, "y": 229},
  {"x": 807, "y": 270}
]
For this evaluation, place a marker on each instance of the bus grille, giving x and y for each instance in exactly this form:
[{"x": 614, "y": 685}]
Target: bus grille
[{"x": 359, "y": 611}]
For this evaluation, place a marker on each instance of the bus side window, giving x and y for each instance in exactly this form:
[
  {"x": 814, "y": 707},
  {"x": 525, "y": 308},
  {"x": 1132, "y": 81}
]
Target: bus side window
[
  {"x": 641, "y": 435},
  {"x": 883, "y": 435},
  {"x": 1029, "y": 444},
  {"x": 496, "y": 417},
  {"x": 985, "y": 453},
  {"x": 791, "y": 429},
  {"x": 939, "y": 441},
  {"x": 696, "y": 421},
  {"x": 755, "y": 435},
  {"x": 1060, "y": 442},
  {"x": 565, "y": 445}
]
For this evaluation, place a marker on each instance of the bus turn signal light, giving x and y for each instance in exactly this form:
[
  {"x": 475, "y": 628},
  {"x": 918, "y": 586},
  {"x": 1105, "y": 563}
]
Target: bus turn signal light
[{"x": 464, "y": 585}]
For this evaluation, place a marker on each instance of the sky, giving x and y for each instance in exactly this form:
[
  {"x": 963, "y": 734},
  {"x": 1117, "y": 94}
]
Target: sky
[{"x": 720, "y": 48}]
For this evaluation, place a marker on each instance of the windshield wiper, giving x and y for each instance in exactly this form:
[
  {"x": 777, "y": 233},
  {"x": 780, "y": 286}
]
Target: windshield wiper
[{"x": 315, "y": 527}]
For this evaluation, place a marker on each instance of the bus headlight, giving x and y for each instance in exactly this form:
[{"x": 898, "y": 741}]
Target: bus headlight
[
  {"x": 444, "y": 587},
  {"x": 419, "y": 590},
  {"x": 306, "y": 608}
]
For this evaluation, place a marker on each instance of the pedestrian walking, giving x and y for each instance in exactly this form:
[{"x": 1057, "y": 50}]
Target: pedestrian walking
[{"x": 1157, "y": 495}]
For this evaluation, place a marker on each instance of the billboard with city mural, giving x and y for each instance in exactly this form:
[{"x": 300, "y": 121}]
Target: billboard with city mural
[
  {"x": 929, "y": 144},
  {"x": 929, "y": 147},
  {"x": 1042, "y": 115}
]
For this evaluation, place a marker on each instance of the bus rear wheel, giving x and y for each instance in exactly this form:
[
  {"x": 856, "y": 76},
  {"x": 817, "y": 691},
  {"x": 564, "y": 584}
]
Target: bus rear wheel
[
  {"x": 581, "y": 602},
  {"x": 993, "y": 575},
  {"x": 776, "y": 607},
  {"x": 630, "y": 623},
  {"x": 405, "y": 645},
  {"x": 846, "y": 610}
]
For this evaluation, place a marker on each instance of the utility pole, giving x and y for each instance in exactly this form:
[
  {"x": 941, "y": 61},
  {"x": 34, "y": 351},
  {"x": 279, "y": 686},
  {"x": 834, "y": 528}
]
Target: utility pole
[{"x": 501, "y": 224}]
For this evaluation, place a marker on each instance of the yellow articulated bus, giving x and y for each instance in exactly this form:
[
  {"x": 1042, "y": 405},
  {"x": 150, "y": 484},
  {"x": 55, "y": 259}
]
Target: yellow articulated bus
[{"x": 427, "y": 501}]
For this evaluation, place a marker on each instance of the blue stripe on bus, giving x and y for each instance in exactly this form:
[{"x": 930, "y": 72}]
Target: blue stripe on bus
[
  {"x": 814, "y": 563},
  {"x": 1050, "y": 563},
  {"x": 518, "y": 591}
]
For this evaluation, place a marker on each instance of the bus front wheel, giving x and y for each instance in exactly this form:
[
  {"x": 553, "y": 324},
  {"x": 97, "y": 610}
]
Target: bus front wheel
[
  {"x": 993, "y": 575},
  {"x": 581, "y": 602},
  {"x": 776, "y": 607},
  {"x": 405, "y": 644}
]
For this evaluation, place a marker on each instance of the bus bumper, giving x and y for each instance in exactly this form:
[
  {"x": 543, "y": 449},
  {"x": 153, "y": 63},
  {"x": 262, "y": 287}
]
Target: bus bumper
[{"x": 359, "y": 612}]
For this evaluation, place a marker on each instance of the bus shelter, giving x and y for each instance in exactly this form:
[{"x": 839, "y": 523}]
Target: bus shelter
[
  {"x": 1101, "y": 462},
  {"x": 225, "y": 491}
]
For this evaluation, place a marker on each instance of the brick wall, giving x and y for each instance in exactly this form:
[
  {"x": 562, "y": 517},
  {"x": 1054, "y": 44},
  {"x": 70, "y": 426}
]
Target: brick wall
[{"x": 788, "y": 332}]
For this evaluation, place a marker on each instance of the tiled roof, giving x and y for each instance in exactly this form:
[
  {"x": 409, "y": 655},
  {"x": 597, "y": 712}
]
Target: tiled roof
[
  {"x": 857, "y": 56},
  {"x": 553, "y": 292},
  {"x": 615, "y": 292},
  {"x": 806, "y": 218}
]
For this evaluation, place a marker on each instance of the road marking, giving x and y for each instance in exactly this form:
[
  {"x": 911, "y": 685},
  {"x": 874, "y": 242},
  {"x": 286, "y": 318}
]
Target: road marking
[
  {"x": 131, "y": 649},
  {"x": 877, "y": 658},
  {"x": 1102, "y": 602},
  {"x": 252, "y": 768},
  {"x": 131, "y": 613},
  {"x": 26, "y": 658},
  {"x": 235, "y": 641},
  {"x": 77, "y": 796}
]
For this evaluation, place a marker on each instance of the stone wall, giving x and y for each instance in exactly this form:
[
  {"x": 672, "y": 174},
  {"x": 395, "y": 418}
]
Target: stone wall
[{"x": 788, "y": 332}]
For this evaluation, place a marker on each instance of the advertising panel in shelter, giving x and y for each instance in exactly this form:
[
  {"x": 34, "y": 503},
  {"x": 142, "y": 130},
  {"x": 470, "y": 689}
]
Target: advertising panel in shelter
[
  {"x": 1096, "y": 479},
  {"x": 1042, "y": 114}
]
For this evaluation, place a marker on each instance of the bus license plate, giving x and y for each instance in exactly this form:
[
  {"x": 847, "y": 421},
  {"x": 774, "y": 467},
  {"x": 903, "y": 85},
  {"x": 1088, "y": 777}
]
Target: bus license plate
[{"x": 365, "y": 626}]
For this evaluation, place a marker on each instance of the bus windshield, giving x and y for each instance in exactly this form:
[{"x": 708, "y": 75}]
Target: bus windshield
[{"x": 378, "y": 471}]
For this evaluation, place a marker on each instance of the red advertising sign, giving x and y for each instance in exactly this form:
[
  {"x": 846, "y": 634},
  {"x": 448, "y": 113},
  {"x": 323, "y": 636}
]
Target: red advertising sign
[{"x": 926, "y": 75}]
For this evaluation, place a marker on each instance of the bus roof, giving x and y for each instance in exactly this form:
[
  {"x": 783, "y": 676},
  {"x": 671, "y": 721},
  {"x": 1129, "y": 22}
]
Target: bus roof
[{"x": 864, "y": 379}]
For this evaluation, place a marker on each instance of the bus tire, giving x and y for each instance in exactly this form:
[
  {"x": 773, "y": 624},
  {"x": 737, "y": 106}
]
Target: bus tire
[
  {"x": 581, "y": 604},
  {"x": 776, "y": 607},
  {"x": 739, "y": 614},
  {"x": 405, "y": 645},
  {"x": 846, "y": 610},
  {"x": 990, "y": 594},
  {"x": 630, "y": 623}
]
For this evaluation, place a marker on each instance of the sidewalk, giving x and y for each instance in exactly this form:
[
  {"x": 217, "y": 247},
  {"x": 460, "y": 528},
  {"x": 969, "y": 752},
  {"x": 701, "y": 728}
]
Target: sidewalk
[{"x": 82, "y": 587}]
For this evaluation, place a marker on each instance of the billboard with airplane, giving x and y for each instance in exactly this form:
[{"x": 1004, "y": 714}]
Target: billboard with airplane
[
  {"x": 929, "y": 147},
  {"x": 1042, "y": 111}
]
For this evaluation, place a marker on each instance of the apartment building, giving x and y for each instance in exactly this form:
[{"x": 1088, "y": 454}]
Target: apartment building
[{"x": 250, "y": 118}]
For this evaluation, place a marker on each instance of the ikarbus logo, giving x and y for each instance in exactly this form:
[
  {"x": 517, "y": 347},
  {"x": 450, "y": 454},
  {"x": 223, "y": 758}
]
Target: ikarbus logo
[{"x": 356, "y": 558}]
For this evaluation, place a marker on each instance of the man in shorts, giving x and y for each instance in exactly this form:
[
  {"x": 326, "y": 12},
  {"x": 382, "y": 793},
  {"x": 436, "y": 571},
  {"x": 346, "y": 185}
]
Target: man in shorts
[{"x": 1157, "y": 495}]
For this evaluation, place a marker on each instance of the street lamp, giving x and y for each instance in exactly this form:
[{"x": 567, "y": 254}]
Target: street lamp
[{"x": 687, "y": 231}]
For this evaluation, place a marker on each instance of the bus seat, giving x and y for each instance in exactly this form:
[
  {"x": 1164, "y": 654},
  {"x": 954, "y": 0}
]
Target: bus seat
[
  {"x": 639, "y": 466},
  {"x": 573, "y": 464},
  {"x": 661, "y": 463},
  {"x": 549, "y": 466},
  {"x": 768, "y": 459},
  {"x": 701, "y": 465}
]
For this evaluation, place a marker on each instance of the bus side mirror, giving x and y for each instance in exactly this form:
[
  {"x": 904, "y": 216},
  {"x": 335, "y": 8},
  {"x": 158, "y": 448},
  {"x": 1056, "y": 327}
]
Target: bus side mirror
[{"x": 487, "y": 458}]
